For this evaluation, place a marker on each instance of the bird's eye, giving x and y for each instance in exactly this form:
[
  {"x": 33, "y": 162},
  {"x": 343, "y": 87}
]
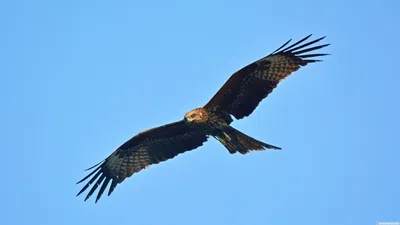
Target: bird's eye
[{"x": 193, "y": 115}]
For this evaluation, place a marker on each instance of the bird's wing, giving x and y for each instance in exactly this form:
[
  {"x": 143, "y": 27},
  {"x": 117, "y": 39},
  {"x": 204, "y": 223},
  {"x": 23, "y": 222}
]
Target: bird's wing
[
  {"x": 246, "y": 88},
  {"x": 146, "y": 148}
]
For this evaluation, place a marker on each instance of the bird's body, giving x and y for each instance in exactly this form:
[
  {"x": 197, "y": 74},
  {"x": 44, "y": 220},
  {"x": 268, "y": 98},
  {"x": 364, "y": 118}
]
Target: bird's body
[
  {"x": 238, "y": 97},
  {"x": 217, "y": 124},
  {"x": 208, "y": 120}
]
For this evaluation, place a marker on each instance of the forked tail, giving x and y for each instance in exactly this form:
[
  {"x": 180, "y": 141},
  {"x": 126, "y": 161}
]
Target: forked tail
[{"x": 236, "y": 141}]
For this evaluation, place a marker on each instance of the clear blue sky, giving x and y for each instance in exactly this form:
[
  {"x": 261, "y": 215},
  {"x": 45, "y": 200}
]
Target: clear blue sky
[{"x": 78, "y": 78}]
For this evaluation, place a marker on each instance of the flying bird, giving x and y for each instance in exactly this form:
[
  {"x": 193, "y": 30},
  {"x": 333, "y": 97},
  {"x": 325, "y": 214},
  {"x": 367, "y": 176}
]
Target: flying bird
[{"x": 238, "y": 97}]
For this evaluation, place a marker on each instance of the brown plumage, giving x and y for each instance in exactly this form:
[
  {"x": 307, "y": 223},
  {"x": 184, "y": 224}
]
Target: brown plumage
[{"x": 239, "y": 97}]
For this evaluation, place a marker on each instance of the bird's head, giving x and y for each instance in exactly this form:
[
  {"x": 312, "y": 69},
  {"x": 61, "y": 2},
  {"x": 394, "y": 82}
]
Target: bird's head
[{"x": 194, "y": 116}]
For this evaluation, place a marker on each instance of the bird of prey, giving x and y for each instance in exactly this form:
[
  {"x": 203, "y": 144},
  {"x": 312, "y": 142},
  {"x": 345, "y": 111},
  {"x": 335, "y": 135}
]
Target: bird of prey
[{"x": 238, "y": 97}]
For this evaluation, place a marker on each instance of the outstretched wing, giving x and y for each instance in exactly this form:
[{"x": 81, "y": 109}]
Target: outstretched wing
[
  {"x": 146, "y": 148},
  {"x": 246, "y": 88}
]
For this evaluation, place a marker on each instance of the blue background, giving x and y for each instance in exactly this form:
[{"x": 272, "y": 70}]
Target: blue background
[{"x": 78, "y": 78}]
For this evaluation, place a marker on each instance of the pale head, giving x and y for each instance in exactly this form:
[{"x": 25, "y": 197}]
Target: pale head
[{"x": 195, "y": 116}]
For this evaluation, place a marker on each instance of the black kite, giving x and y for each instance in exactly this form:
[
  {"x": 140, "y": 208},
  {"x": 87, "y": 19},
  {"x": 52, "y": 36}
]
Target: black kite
[{"x": 239, "y": 96}]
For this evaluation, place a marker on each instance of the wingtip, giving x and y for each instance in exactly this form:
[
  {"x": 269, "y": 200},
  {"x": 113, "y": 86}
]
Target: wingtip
[
  {"x": 319, "y": 39},
  {"x": 110, "y": 192},
  {"x": 93, "y": 166},
  {"x": 87, "y": 197},
  {"x": 268, "y": 146},
  {"x": 80, "y": 192}
]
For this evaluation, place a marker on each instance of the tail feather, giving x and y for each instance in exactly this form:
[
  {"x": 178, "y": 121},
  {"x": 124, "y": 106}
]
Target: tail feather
[{"x": 236, "y": 141}]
